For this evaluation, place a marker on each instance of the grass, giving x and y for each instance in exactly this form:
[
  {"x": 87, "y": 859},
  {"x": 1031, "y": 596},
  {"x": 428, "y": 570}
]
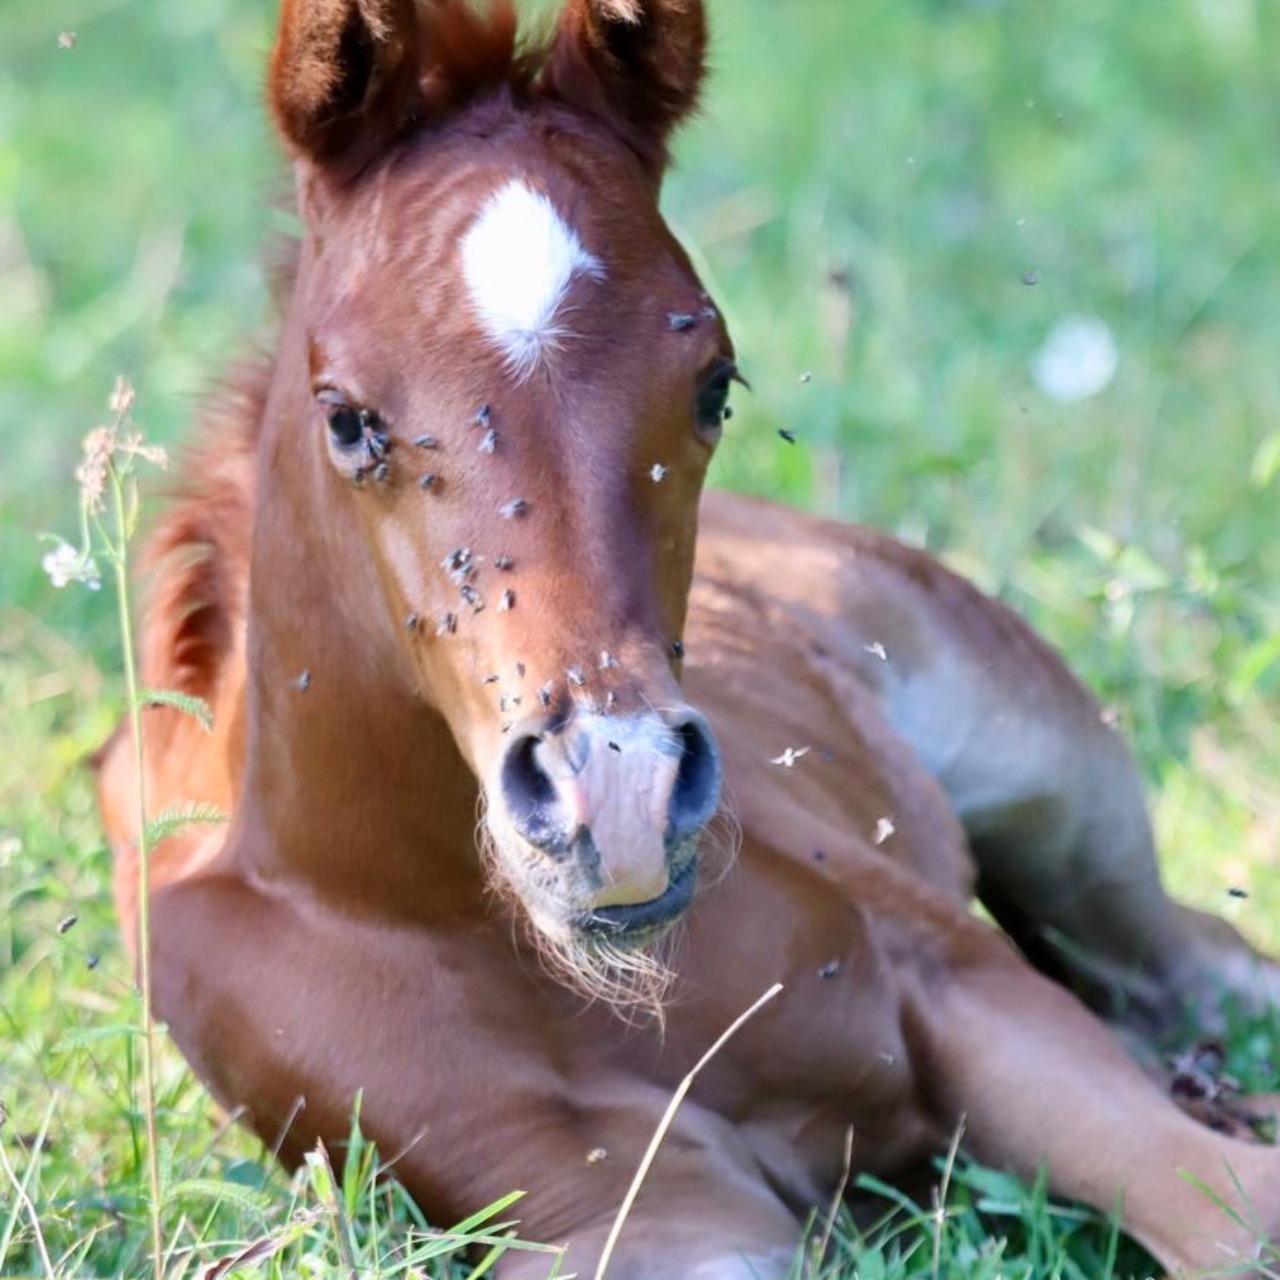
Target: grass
[{"x": 895, "y": 202}]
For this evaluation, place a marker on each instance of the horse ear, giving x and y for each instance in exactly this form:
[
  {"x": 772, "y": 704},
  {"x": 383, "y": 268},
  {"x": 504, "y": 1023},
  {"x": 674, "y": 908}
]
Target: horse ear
[
  {"x": 639, "y": 63},
  {"x": 344, "y": 79}
]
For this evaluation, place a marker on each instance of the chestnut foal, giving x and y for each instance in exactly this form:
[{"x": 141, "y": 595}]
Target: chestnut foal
[{"x": 445, "y": 561}]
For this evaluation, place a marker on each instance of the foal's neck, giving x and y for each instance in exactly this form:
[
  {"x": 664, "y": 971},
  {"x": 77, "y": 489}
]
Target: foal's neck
[{"x": 354, "y": 786}]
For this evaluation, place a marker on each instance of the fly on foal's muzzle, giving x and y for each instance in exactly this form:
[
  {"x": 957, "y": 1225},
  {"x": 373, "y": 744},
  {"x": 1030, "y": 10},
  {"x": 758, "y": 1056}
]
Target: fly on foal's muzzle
[{"x": 626, "y": 798}]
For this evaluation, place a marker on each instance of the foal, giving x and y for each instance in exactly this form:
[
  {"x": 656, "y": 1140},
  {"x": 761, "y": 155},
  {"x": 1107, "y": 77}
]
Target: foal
[{"x": 445, "y": 560}]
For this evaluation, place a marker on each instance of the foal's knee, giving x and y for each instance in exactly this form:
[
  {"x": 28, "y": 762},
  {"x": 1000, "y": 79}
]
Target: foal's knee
[
  {"x": 653, "y": 1264},
  {"x": 751, "y": 1266}
]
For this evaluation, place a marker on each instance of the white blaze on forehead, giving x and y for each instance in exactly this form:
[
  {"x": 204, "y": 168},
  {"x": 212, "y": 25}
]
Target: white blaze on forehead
[{"x": 519, "y": 257}]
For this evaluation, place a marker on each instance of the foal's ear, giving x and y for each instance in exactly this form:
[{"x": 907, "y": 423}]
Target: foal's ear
[
  {"x": 344, "y": 80},
  {"x": 638, "y": 63}
]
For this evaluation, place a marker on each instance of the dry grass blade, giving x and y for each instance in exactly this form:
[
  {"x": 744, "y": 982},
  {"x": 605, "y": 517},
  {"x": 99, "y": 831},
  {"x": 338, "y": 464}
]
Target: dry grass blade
[
  {"x": 299, "y": 1104},
  {"x": 20, "y": 1191},
  {"x": 107, "y": 469},
  {"x": 665, "y": 1123},
  {"x": 260, "y": 1250},
  {"x": 819, "y": 1252},
  {"x": 330, "y": 1191},
  {"x": 940, "y": 1208}
]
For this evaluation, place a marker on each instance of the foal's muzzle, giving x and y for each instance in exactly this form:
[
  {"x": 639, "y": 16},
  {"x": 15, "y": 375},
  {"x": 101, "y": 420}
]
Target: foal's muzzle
[{"x": 622, "y": 797}]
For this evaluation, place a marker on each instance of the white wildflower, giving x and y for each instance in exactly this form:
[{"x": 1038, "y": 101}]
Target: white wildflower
[{"x": 65, "y": 564}]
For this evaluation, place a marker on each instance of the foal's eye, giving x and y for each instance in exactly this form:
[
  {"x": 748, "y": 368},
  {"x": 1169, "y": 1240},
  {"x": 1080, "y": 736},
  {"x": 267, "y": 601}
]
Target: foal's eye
[
  {"x": 713, "y": 398},
  {"x": 346, "y": 425}
]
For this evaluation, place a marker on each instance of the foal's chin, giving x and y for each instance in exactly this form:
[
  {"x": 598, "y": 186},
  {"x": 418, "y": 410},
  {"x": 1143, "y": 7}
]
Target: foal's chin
[{"x": 617, "y": 955}]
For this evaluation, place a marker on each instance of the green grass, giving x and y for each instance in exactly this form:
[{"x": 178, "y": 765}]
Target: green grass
[{"x": 869, "y": 192}]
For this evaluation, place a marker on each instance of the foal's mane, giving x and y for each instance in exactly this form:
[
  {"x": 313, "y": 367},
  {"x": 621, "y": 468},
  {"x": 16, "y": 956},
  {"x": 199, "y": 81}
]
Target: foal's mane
[{"x": 196, "y": 559}]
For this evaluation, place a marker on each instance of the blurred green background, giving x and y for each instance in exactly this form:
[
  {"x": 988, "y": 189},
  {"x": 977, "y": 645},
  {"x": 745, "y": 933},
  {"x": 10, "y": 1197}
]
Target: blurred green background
[{"x": 935, "y": 225}]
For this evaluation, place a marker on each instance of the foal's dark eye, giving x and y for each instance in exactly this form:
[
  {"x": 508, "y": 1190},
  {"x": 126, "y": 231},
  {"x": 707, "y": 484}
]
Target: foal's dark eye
[
  {"x": 346, "y": 425},
  {"x": 713, "y": 397}
]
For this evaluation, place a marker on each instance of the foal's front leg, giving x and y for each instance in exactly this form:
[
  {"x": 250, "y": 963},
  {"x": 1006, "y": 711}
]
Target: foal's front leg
[
  {"x": 695, "y": 1226},
  {"x": 1041, "y": 1083}
]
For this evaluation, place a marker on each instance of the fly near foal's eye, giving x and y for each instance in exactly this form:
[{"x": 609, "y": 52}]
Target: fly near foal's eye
[{"x": 713, "y": 398}]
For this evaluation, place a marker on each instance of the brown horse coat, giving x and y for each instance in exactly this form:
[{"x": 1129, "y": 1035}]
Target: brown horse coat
[{"x": 436, "y": 577}]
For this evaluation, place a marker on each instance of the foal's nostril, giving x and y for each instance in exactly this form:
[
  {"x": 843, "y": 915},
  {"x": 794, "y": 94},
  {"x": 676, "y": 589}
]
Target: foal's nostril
[
  {"x": 530, "y": 794},
  {"x": 597, "y": 775},
  {"x": 696, "y": 793}
]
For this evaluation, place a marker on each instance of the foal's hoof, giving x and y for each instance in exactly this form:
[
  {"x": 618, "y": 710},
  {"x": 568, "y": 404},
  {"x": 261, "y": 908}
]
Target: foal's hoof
[{"x": 1201, "y": 1087}]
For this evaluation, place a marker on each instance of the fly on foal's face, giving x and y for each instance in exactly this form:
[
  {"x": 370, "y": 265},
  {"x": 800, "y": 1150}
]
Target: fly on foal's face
[{"x": 516, "y": 385}]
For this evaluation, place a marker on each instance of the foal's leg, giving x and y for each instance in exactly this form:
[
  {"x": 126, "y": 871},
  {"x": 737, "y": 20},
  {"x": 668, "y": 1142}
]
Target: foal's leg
[
  {"x": 1049, "y": 795},
  {"x": 682, "y": 1230},
  {"x": 1040, "y": 1083}
]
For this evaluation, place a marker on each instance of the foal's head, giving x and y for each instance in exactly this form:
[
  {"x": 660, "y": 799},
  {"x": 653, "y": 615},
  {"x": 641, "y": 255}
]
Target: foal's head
[{"x": 516, "y": 383}]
